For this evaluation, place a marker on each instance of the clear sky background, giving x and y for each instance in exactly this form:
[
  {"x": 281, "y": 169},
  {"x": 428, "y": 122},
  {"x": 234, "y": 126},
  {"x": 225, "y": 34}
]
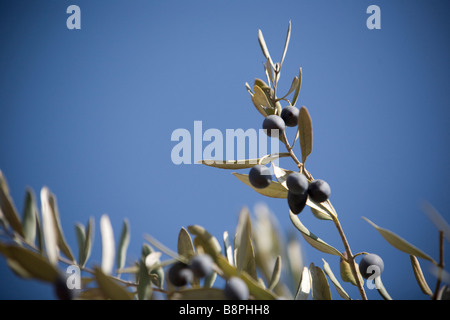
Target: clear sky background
[{"x": 89, "y": 113}]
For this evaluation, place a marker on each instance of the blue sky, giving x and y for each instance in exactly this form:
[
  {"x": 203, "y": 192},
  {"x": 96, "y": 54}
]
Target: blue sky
[{"x": 89, "y": 113}]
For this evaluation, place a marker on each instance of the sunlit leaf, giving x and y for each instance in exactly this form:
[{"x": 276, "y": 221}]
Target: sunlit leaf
[
  {"x": 185, "y": 246},
  {"x": 340, "y": 290},
  {"x": 209, "y": 242},
  {"x": 274, "y": 190},
  {"x": 88, "y": 242},
  {"x": 244, "y": 252},
  {"x": 197, "y": 294},
  {"x": 209, "y": 280},
  {"x": 29, "y": 216},
  {"x": 419, "y": 276},
  {"x": 306, "y": 133},
  {"x": 227, "y": 248},
  {"x": 123, "y": 244},
  {"x": 62, "y": 243},
  {"x": 260, "y": 99},
  {"x": 286, "y": 43},
  {"x": 399, "y": 243},
  {"x": 81, "y": 241},
  {"x": 33, "y": 264},
  {"x": 275, "y": 274},
  {"x": 263, "y": 45},
  {"x": 281, "y": 174},
  {"x": 346, "y": 271},
  {"x": 297, "y": 90},
  {"x": 144, "y": 288},
  {"x": 320, "y": 289},
  {"x": 381, "y": 289},
  {"x": 304, "y": 286},
  {"x": 110, "y": 288},
  {"x": 242, "y": 164},
  {"x": 108, "y": 250},
  {"x": 311, "y": 238},
  {"x": 7, "y": 207},
  {"x": 49, "y": 227}
]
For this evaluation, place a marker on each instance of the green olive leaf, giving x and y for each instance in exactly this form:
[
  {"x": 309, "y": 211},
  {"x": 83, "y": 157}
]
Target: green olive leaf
[
  {"x": 28, "y": 263},
  {"x": 49, "y": 227},
  {"x": 110, "y": 288},
  {"x": 227, "y": 248},
  {"x": 244, "y": 252},
  {"x": 346, "y": 271},
  {"x": 81, "y": 240},
  {"x": 123, "y": 244},
  {"x": 306, "y": 133},
  {"x": 108, "y": 250},
  {"x": 419, "y": 276},
  {"x": 144, "y": 288},
  {"x": 381, "y": 289},
  {"x": 7, "y": 207},
  {"x": 297, "y": 90},
  {"x": 320, "y": 289},
  {"x": 311, "y": 238},
  {"x": 209, "y": 242},
  {"x": 304, "y": 286},
  {"x": 260, "y": 100},
  {"x": 276, "y": 274},
  {"x": 29, "y": 216},
  {"x": 286, "y": 43},
  {"x": 83, "y": 258},
  {"x": 274, "y": 190},
  {"x": 185, "y": 246},
  {"x": 399, "y": 243},
  {"x": 243, "y": 164},
  {"x": 62, "y": 243},
  {"x": 264, "y": 49},
  {"x": 340, "y": 290}
]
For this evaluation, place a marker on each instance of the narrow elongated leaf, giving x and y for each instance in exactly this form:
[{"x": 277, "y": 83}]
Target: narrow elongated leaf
[
  {"x": 306, "y": 133},
  {"x": 33, "y": 264},
  {"x": 399, "y": 243},
  {"x": 269, "y": 71},
  {"x": 245, "y": 255},
  {"x": 197, "y": 294},
  {"x": 260, "y": 100},
  {"x": 7, "y": 207},
  {"x": 210, "y": 243},
  {"x": 243, "y": 164},
  {"x": 108, "y": 251},
  {"x": 62, "y": 243},
  {"x": 185, "y": 246},
  {"x": 144, "y": 288},
  {"x": 209, "y": 280},
  {"x": 419, "y": 276},
  {"x": 297, "y": 90},
  {"x": 340, "y": 290},
  {"x": 281, "y": 174},
  {"x": 381, "y": 289},
  {"x": 29, "y": 217},
  {"x": 49, "y": 227},
  {"x": 274, "y": 190},
  {"x": 304, "y": 286},
  {"x": 110, "y": 288},
  {"x": 294, "y": 86},
  {"x": 263, "y": 45},
  {"x": 258, "y": 106},
  {"x": 81, "y": 240},
  {"x": 227, "y": 248},
  {"x": 320, "y": 289},
  {"x": 275, "y": 274},
  {"x": 88, "y": 243},
  {"x": 346, "y": 271},
  {"x": 123, "y": 244},
  {"x": 286, "y": 43},
  {"x": 312, "y": 239}
]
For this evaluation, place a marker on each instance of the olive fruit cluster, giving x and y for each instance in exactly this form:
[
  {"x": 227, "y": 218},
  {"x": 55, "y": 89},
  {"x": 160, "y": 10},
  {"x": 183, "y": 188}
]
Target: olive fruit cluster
[
  {"x": 277, "y": 123},
  {"x": 371, "y": 264},
  {"x": 299, "y": 190},
  {"x": 200, "y": 266}
]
